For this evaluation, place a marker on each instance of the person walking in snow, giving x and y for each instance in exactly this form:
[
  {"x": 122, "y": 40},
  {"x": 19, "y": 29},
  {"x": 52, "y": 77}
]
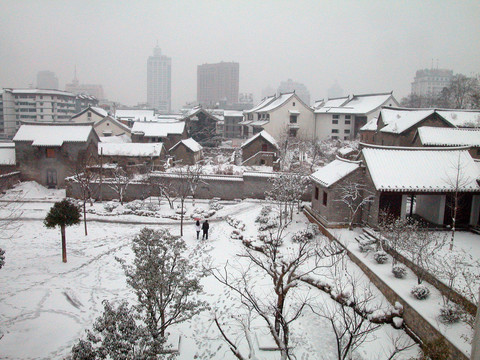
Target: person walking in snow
[
  {"x": 205, "y": 228},
  {"x": 198, "y": 228}
]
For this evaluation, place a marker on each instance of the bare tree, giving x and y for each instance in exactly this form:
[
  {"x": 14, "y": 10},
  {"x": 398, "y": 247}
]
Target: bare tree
[
  {"x": 457, "y": 181},
  {"x": 163, "y": 187},
  {"x": 418, "y": 244},
  {"x": 85, "y": 176},
  {"x": 355, "y": 196},
  {"x": 350, "y": 324},
  {"x": 286, "y": 191},
  {"x": 461, "y": 93},
  {"x": 188, "y": 180},
  {"x": 119, "y": 182}
]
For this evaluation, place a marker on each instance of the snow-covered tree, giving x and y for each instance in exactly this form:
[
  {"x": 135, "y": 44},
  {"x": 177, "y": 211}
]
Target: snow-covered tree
[
  {"x": 115, "y": 335},
  {"x": 188, "y": 180},
  {"x": 85, "y": 177},
  {"x": 165, "y": 279},
  {"x": 285, "y": 192},
  {"x": 355, "y": 196},
  {"x": 63, "y": 214},
  {"x": 119, "y": 182}
]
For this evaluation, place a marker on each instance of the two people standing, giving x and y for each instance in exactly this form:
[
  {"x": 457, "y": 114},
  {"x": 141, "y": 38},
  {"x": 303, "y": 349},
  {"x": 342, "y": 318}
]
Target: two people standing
[{"x": 205, "y": 226}]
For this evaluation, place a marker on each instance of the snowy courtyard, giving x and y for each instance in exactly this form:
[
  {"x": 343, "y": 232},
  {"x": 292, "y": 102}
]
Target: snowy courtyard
[{"x": 46, "y": 305}]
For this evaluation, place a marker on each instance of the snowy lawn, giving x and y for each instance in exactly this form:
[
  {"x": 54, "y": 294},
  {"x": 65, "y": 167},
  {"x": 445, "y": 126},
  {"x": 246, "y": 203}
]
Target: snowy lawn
[
  {"x": 429, "y": 308},
  {"x": 45, "y": 305}
]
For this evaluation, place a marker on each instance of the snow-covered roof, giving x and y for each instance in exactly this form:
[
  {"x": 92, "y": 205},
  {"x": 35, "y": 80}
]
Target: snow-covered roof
[
  {"x": 232, "y": 113},
  {"x": 135, "y": 115},
  {"x": 345, "y": 150},
  {"x": 7, "y": 153},
  {"x": 197, "y": 109},
  {"x": 282, "y": 99},
  {"x": 399, "y": 120},
  {"x": 421, "y": 169},
  {"x": 263, "y": 134},
  {"x": 371, "y": 125},
  {"x": 97, "y": 110},
  {"x": 120, "y": 139},
  {"x": 158, "y": 129},
  {"x": 356, "y": 104},
  {"x": 41, "y": 92},
  {"x": 169, "y": 118},
  {"x": 189, "y": 143},
  {"x": 461, "y": 118},
  {"x": 52, "y": 134},
  {"x": 438, "y": 136},
  {"x": 260, "y": 105},
  {"x": 130, "y": 149},
  {"x": 334, "y": 171},
  {"x": 113, "y": 121}
]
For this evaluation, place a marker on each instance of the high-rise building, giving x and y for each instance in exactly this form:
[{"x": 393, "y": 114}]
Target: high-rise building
[
  {"x": 47, "y": 80},
  {"x": 159, "y": 81},
  {"x": 430, "y": 82},
  {"x": 218, "y": 83},
  {"x": 76, "y": 88},
  {"x": 291, "y": 86}
]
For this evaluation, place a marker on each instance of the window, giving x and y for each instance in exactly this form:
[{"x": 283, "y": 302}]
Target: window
[
  {"x": 292, "y": 133},
  {"x": 89, "y": 114},
  {"x": 50, "y": 153},
  {"x": 325, "y": 198},
  {"x": 346, "y": 131},
  {"x": 262, "y": 162},
  {"x": 316, "y": 193},
  {"x": 347, "y": 122},
  {"x": 334, "y": 121},
  {"x": 336, "y": 117},
  {"x": 345, "y": 138},
  {"x": 293, "y": 119},
  {"x": 264, "y": 147},
  {"x": 347, "y": 117},
  {"x": 334, "y": 131},
  {"x": 293, "y": 103}
]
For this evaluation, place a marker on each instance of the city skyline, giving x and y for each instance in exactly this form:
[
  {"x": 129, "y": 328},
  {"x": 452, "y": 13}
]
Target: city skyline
[{"x": 387, "y": 50}]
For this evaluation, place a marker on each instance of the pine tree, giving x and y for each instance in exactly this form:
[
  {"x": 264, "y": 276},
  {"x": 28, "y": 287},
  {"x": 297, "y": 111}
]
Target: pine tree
[{"x": 63, "y": 214}]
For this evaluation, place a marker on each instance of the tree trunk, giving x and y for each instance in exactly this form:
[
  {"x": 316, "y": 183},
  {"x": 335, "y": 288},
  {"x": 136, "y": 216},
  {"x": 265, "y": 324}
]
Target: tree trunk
[
  {"x": 279, "y": 313},
  {"x": 181, "y": 218},
  {"x": 85, "y": 216},
  {"x": 64, "y": 244}
]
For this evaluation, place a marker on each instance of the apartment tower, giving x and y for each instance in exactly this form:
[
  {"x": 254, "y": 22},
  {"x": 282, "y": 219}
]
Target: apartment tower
[
  {"x": 159, "y": 81},
  {"x": 218, "y": 84}
]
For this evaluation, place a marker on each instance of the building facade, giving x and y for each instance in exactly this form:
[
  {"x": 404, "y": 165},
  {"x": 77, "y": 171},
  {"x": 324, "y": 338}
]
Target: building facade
[
  {"x": 159, "y": 81},
  {"x": 95, "y": 90},
  {"x": 47, "y": 80},
  {"x": 34, "y": 105},
  {"x": 430, "y": 82},
  {"x": 293, "y": 86},
  {"x": 218, "y": 83}
]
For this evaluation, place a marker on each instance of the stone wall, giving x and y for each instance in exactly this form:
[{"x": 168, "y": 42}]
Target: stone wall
[
  {"x": 8, "y": 180},
  {"x": 414, "y": 322},
  {"x": 255, "y": 147},
  {"x": 225, "y": 187}
]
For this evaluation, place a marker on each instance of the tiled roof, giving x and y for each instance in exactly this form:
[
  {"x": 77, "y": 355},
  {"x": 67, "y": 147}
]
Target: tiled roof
[
  {"x": 52, "y": 135},
  {"x": 334, "y": 171}
]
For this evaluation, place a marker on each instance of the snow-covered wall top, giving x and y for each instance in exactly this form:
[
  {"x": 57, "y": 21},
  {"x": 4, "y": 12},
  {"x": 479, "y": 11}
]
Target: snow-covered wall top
[{"x": 449, "y": 136}]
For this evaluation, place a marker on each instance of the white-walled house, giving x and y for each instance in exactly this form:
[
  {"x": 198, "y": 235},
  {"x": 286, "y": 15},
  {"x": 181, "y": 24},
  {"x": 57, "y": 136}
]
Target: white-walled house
[
  {"x": 341, "y": 118},
  {"x": 281, "y": 115},
  {"x": 89, "y": 114}
]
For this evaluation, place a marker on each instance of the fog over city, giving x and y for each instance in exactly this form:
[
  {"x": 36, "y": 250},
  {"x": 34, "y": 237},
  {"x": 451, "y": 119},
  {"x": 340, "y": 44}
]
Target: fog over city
[{"x": 367, "y": 46}]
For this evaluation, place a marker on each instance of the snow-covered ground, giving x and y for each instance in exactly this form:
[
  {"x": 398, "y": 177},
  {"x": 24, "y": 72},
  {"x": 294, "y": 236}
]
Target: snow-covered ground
[
  {"x": 429, "y": 308},
  {"x": 45, "y": 305}
]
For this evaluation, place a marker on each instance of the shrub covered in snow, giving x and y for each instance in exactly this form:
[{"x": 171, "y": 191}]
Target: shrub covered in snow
[
  {"x": 109, "y": 206},
  {"x": 263, "y": 217},
  {"x": 399, "y": 271},
  {"x": 420, "y": 291},
  {"x": 450, "y": 313},
  {"x": 365, "y": 247},
  {"x": 237, "y": 224},
  {"x": 305, "y": 235},
  {"x": 380, "y": 257},
  {"x": 214, "y": 205},
  {"x": 270, "y": 224}
]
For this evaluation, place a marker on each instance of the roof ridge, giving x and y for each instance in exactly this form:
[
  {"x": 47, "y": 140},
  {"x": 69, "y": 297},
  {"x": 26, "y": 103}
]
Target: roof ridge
[{"x": 413, "y": 148}]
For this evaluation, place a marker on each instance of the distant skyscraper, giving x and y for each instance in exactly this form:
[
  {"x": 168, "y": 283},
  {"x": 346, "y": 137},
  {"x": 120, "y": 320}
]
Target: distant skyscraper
[
  {"x": 159, "y": 81},
  {"x": 75, "y": 87},
  {"x": 47, "y": 80},
  {"x": 335, "y": 91},
  {"x": 218, "y": 83},
  {"x": 300, "y": 89},
  {"x": 430, "y": 82}
]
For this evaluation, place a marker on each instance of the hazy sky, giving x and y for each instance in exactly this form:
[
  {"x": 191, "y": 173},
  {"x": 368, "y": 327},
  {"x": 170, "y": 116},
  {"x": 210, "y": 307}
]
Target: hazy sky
[{"x": 367, "y": 46}]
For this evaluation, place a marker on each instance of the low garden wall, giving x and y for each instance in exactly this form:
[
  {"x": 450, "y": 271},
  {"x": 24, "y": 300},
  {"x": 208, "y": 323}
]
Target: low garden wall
[
  {"x": 226, "y": 187},
  {"x": 414, "y": 322},
  {"x": 8, "y": 180}
]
